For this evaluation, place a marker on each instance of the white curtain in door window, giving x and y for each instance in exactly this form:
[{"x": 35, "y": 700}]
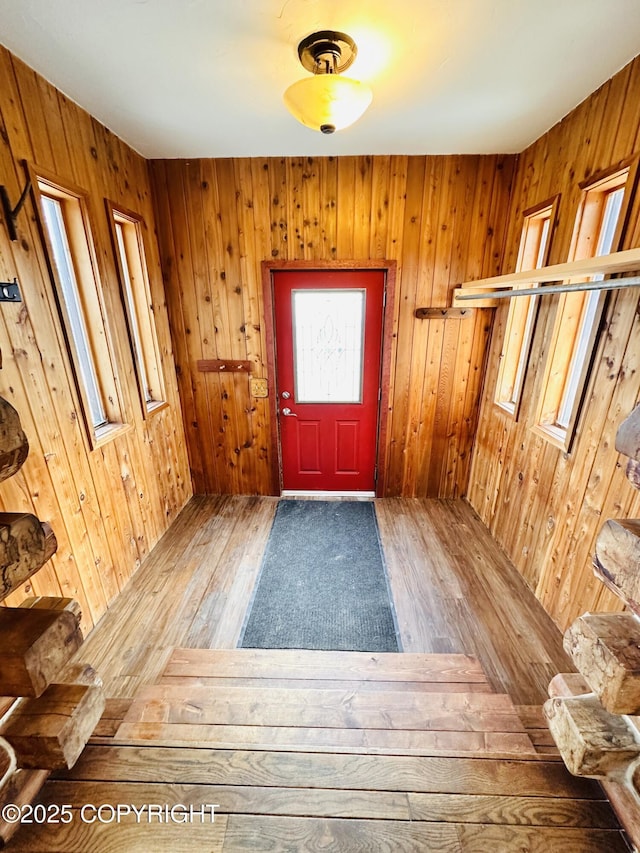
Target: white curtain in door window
[{"x": 328, "y": 336}]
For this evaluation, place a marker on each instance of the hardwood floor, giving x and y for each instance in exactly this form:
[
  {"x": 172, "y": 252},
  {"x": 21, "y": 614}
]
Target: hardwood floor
[
  {"x": 441, "y": 748},
  {"x": 192, "y": 591},
  {"x": 343, "y": 751},
  {"x": 454, "y": 590}
]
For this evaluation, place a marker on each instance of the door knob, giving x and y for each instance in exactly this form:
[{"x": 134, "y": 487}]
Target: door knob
[{"x": 288, "y": 413}]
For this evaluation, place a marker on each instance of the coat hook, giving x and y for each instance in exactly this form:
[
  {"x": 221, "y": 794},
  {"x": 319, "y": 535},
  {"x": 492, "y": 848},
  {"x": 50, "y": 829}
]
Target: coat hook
[{"x": 11, "y": 214}]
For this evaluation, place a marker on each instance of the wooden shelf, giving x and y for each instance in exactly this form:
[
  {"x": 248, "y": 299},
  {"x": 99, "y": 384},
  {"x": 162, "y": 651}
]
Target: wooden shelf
[{"x": 617, "y": 262}]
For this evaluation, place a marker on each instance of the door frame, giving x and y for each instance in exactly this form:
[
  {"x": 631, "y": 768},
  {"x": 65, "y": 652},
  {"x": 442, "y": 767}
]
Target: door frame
[{"x": 388, "y": 268}]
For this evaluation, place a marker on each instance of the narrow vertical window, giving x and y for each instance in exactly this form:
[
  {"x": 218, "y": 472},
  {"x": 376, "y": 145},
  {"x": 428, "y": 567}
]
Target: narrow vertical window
[
  {"x": 590, "y": 310},
  {"x": 533, "y": 253},
  {"x": 136, "y": 296},
  {"x": 66, "y": 228},
  {"x": 597, "y": 232}
]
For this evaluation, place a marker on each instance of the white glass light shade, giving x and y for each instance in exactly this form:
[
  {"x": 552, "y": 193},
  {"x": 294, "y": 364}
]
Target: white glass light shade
[{"x": 327, "y": 101}]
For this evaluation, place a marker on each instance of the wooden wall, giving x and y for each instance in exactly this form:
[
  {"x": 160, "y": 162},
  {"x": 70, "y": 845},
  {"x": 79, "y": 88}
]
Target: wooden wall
[
  {"x": 107, "y": 506},
  {"x": 542, "y": 505},
  {"x": 442, "y": 219}
]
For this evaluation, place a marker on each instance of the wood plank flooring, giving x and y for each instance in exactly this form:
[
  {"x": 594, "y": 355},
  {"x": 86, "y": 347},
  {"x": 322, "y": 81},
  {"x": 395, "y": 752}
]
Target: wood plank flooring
[
  {"x": 302, "y": 766},
  {"x": 422, "y": 716},
  {"x": 437, "y": 749},
  {"x": 454, "y": 590}
]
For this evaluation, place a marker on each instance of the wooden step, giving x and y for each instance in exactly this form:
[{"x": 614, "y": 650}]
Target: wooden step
[
  {"x": 283, "y": 833},
  {"x": 288, "y": 801},
  {"x": 435, "y": 774},
  {"x": 354, "y": 803},
  {"x": 605, "y": 647},
  {"x": 251, "y": 833},
  {"x": 298, "y": 753},
  {"x": 317, "y": 739},
  {"x": 344, "y": 702},
  {"x": 331, "y": 684},
  {"x": 306, "y": 664},
  {"x": 271, "y": 706}
]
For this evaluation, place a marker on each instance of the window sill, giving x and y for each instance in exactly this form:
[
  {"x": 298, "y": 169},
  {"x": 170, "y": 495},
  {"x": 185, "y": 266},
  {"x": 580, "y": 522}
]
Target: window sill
[
  {"x": 152, "y": 408},
  {"x": 555, "y": 435},
  {"x": 506, "y": 408},
  {"x": 108, "y": 433}
]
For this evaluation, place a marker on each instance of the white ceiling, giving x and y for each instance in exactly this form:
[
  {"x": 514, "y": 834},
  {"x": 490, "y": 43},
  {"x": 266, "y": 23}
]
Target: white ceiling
[{"x": 204, "y": 78}]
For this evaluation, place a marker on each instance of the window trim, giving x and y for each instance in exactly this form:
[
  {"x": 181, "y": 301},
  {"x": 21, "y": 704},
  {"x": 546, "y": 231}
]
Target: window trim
[
  {"x": 511, "y": 408},
  {"x": 149, "y": 351},
  {"x": 85, "y": 262},
  {"x": 583, "y": 245}
]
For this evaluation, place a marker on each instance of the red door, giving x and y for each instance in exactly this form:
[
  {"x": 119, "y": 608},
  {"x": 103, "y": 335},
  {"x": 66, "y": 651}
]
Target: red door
[{"x": 328, "y": 347}]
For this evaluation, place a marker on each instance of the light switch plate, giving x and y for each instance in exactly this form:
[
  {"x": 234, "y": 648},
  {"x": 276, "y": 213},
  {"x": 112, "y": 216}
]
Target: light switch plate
[{"x": 259, "y": 387}]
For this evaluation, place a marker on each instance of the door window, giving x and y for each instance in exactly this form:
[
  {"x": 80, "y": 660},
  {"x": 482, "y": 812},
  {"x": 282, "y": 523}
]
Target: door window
[{"x": 328, "y": 333}]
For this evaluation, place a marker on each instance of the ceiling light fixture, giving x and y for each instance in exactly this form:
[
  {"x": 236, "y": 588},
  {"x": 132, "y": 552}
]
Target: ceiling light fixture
[{"x": 327, "y": 102}]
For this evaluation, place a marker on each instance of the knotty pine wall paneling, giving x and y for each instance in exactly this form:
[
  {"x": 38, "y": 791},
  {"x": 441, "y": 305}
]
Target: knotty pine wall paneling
[
  {"x": 442, "y": 219},
  {"x": 545, "y": 506},
  {"x": 110, "y": 505}
]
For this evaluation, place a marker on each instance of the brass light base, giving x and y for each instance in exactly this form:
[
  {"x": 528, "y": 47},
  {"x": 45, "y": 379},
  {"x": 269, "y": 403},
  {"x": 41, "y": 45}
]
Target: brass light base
[{"x": 327, "y": 51}]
